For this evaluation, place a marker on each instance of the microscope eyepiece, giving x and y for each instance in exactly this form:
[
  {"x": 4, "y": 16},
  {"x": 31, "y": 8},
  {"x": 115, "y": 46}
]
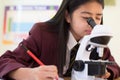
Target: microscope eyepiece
[{"x": 91, "y": 22}]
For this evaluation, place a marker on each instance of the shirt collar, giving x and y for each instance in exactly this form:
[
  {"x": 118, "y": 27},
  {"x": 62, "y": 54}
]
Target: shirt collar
[{"x": 71, "y": 41}]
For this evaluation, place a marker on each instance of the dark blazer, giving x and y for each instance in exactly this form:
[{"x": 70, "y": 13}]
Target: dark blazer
[{"x": 42, "y": 41}]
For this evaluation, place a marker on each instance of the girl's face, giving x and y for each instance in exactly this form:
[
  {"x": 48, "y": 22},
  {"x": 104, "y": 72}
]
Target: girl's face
[{"x": 78, "y": 19}]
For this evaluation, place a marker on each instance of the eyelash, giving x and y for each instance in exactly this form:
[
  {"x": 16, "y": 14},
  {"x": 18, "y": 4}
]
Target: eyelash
[
  {"x": 85, "y": 18},
  {"x": 98, "y": 18},
  {"x": 88, "y": 17}
]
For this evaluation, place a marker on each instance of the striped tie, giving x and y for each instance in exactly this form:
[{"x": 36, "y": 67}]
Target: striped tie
[{"x": 72, "y": 59}]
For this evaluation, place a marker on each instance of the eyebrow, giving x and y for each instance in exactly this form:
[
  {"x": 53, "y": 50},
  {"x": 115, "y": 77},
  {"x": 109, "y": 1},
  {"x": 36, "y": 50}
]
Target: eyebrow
[{"x": 85, "y": 12}]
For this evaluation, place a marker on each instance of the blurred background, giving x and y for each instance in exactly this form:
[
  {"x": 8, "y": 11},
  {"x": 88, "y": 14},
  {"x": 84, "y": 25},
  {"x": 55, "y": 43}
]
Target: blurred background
[{"x": 18, "y": 16}]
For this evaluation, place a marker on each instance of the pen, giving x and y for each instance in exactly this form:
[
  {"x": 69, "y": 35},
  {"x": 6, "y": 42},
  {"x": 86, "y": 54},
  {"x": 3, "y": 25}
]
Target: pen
[{"x": 33, "y": 56}]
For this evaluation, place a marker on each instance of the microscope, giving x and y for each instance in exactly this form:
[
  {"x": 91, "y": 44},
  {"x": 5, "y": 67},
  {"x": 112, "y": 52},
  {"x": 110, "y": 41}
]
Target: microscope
[{"x": 84, "y": 68}]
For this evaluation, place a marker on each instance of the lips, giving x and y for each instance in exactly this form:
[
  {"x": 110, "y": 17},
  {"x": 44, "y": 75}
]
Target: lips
[{"x": 88, "y": 31}]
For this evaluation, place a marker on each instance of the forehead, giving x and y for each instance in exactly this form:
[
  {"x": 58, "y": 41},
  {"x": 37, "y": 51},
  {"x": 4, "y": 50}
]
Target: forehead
[{"x": 90, "y": 8}]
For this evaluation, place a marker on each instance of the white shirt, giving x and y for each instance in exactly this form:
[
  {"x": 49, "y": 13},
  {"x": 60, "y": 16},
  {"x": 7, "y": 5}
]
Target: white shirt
[{"x": 70, "y": 44}]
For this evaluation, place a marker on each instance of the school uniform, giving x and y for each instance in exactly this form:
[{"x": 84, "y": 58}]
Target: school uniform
[{"x": 42, "y": 41}]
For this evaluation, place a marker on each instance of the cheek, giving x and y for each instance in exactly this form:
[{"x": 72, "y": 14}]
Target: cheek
[{"x": 79, "y": 25}]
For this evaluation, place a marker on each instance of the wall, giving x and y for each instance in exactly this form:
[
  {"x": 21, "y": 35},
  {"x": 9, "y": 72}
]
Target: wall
[
  {"x": 4, "y": 3},
  {"x": 111, "y": 19}
]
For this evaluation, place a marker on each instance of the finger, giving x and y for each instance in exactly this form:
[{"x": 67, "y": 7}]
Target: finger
[
  {"x": 48, "y": 68},
  {"x": 107, "y": 75},
  {"x": 52, "y": 74},
  {"x": 51, "y": 78},
  {"x": 49, "y": 72}
]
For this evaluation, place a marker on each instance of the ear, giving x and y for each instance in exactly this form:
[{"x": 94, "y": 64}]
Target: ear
[{"x": 67, "y": 16}]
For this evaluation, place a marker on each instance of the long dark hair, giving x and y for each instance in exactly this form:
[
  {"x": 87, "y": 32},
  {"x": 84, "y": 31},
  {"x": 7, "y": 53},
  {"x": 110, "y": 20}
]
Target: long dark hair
[{"x": 63, "y": 26}]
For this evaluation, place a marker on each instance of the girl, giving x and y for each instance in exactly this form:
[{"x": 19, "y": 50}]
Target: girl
[{"x": 52, "y": 41}]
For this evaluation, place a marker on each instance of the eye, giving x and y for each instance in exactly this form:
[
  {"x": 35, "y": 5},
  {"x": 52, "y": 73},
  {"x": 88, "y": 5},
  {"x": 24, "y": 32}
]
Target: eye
[
  {"x": 97, "y": 18},
  {"x": 86, "y": 18}
]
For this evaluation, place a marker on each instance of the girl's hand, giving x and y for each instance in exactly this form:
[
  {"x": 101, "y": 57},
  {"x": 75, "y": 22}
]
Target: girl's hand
[
  {"x": 38, "y": 73},
  {"x": 105, "y": 76},
  {"x": 45, "y": 73}
]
